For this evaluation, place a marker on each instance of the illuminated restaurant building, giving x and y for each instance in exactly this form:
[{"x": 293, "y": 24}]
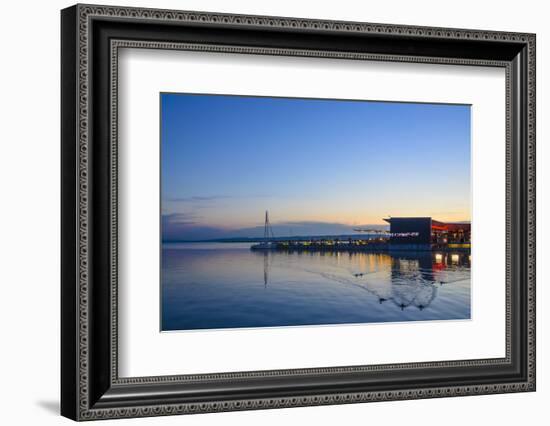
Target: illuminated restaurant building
[{"x": 425, "y": 233}]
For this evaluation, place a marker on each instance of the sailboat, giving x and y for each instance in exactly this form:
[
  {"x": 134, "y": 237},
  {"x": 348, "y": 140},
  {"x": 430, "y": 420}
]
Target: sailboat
[{"x": 268, "y": 242}]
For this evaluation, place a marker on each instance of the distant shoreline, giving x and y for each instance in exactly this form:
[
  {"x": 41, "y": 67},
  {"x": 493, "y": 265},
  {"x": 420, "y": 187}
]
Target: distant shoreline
[{"x": 294, "y": 238}]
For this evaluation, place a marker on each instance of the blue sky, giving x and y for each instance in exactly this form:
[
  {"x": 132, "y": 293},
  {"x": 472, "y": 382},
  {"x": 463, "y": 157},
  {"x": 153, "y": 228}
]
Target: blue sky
[{"x": 318, "y": 166}]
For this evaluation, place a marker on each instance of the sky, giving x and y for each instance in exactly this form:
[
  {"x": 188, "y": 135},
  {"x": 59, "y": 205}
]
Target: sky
[{"x": 318, "y": 166}]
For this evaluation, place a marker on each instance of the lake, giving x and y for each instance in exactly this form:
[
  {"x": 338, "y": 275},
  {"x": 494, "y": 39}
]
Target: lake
[{"x": 226, "y": 285}]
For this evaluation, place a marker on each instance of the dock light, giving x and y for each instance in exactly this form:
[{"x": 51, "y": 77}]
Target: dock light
[
  {"x": 454, "y": 258},
  {"x": 438, "y": 257}
]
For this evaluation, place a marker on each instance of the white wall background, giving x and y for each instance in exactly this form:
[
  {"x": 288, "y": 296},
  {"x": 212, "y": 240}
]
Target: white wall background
[{"x": 29, "y": 217}]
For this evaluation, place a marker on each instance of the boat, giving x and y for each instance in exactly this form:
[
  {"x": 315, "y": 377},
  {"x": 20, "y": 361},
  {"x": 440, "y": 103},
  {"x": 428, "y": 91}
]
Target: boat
[{"x": 267, "y": 243}]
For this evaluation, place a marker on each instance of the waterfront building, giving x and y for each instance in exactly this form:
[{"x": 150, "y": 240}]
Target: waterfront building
[{"x": 425, "y": 233}]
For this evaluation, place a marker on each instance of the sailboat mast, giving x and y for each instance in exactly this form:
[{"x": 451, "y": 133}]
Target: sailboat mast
[{"x": 268, "y": 232}]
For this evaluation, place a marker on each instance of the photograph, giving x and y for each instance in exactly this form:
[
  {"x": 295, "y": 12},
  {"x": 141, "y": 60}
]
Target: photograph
[{"x": 281, "y": 211}]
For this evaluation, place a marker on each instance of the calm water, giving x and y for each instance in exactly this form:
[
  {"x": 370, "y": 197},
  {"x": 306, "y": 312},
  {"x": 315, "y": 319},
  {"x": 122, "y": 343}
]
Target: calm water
[{"x": 226, "y": 285}]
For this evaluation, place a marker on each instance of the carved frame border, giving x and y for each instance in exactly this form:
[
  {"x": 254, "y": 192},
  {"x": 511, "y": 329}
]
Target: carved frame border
[{"x": 87, "y": 12}]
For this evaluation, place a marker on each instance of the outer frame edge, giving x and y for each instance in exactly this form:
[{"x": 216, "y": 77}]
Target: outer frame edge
[{"x": 69, "y": 319}]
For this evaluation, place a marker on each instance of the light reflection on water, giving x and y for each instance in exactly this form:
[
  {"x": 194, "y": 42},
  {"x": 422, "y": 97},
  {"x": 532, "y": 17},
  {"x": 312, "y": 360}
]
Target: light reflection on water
[{"x": 226, "y": 285}]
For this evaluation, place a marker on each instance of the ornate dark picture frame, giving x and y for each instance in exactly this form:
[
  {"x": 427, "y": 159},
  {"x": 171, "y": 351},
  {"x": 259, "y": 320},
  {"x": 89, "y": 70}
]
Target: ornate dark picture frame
[{"x": 91, "y": 36}]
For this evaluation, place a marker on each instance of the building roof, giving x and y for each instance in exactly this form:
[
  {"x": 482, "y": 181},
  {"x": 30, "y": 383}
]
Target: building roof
[{"x": 389, "y": 219}]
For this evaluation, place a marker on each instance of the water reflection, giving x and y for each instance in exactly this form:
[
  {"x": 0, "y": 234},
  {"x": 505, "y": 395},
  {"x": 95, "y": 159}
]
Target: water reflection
[
  {"x": 217, "y": 286},
  {"x": 415, "y": 276},
  {"x": 267, "y": 264}
]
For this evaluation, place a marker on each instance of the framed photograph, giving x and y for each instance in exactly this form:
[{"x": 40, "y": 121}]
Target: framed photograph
[{"x": 263, "y": 212}]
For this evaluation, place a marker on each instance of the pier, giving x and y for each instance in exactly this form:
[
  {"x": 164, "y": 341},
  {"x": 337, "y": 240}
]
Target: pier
[{"x": 324, "y": 245}]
